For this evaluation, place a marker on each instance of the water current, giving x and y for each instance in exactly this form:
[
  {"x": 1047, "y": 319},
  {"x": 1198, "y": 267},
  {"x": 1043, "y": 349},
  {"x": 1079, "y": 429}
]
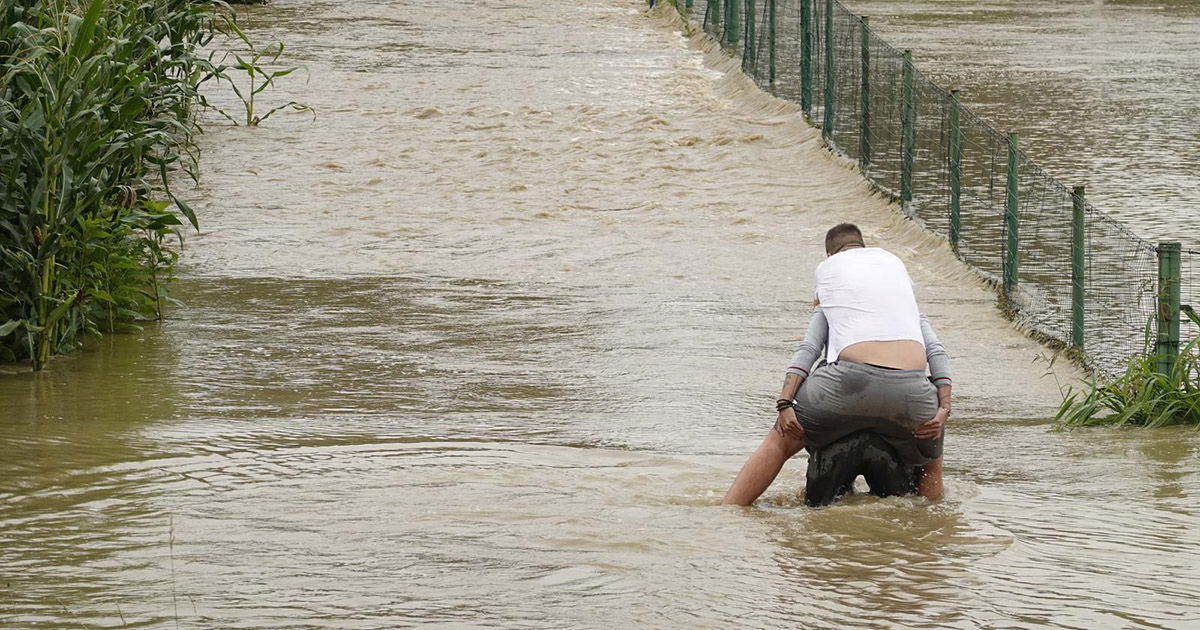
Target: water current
[
  {"x": 1101, "y": 92},
  {"x": 484, "y": 343}
]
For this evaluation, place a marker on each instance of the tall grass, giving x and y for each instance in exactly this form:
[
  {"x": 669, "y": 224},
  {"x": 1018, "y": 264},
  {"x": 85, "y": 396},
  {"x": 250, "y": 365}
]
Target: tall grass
[
  {"x": 97, "y": 113},
  {"x": 1142, "y": 396}
]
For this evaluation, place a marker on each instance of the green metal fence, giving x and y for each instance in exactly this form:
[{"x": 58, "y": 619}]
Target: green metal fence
[{"x": 1065, "y": 270}]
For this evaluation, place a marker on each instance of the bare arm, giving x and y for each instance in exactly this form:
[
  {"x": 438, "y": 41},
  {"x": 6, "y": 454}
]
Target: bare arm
[
  {"x": 943, "y": 392},
  {"x": 933, "y": 428},
  {"x": 791, "y": 385}
]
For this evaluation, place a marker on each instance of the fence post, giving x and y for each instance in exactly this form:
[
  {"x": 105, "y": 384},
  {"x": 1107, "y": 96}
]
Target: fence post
[
  {"x": 906, "y": 134},
  {"x": 1077, "y": 268},
  {"x": 712, "y": 13},
  {"x": 725, "y": 4},
  {"x": 828, "y": 113},
  {"x": 806, "y": 57},
  {"x": 1167, "y": 347},
  {"x": 731, "y": 21},
  {"x": 864, "y": 130},
  {"x": 1010, "y": 219},
  {"x": 955, "y": 171},
  {"x": 771, "y": 42},
  {"x": 750, "y": 50}
]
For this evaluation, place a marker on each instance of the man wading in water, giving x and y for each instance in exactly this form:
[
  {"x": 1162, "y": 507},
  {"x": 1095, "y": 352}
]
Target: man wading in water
[{"x": 878, "y": 346}]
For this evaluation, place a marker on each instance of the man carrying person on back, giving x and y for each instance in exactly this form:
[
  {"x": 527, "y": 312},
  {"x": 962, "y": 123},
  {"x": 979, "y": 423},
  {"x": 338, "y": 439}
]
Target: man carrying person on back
[{"x": 877, "y": 346}]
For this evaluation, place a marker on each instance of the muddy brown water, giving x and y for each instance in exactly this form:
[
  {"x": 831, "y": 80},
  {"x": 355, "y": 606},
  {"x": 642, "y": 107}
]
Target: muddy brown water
[
  {"x": 1101, "y": 92},
  {"x": 484, "y": 343}
]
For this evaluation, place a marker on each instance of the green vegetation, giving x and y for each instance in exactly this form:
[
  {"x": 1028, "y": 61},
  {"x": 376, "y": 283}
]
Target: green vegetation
[
  {"x": 1142, "y": 396},
  {"x": 98, "y": 103},
  {"x": 257, "y": 78}
]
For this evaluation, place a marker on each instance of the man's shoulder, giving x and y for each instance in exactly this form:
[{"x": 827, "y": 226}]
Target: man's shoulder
[
  {"x": 864, "y": 258},
  {"x": 881, "y": 255},
  {"x": 861, "y": 255}
]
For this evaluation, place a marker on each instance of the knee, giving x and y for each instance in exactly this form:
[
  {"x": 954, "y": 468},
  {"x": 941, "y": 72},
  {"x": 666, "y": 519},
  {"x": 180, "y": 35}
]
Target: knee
[{"x": 781, "y": 444}]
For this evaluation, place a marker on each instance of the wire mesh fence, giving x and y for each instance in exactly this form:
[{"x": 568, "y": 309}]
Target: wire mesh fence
[{"x": 1066, "y": 271}]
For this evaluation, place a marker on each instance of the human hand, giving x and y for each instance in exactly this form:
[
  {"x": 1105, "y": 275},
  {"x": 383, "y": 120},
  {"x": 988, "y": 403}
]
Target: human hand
[
  {"x": 788, "y": 425},
  {"x": 933, "y": 428}
]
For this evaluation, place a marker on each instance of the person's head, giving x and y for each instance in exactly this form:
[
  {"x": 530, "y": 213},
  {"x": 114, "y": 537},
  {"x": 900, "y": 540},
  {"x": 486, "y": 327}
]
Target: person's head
[{"x": 841, "y": 237}]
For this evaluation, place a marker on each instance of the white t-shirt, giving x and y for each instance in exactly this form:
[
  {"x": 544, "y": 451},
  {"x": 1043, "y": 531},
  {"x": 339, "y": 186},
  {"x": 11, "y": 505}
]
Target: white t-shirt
[{"x": 866, "y": 295}]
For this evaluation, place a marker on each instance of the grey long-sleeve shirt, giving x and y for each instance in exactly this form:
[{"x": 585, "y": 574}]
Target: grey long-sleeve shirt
[{"x": 818, "y": 334}]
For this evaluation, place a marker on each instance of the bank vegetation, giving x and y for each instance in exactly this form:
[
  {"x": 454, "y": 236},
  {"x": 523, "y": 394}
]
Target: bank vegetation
[
  {"x": 1152, "y": 392},
  {"x": 98, "y": 115}
]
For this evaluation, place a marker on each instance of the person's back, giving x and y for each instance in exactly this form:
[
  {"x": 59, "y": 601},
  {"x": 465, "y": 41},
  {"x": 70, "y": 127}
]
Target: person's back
[
  {"x": 876, "y": 351},
  {"x": 867, "y": 297}
]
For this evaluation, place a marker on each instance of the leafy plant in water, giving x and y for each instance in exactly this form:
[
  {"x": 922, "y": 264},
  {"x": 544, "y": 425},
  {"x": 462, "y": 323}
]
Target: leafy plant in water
[
  {"x": 258, "y": 78},
  {"x": 97, "y": 101},
  {"x": 1142, "y": 396}
]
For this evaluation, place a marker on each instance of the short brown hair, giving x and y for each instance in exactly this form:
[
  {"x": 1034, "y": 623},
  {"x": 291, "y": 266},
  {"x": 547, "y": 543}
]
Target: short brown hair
[{"x": 841, "y": 235}]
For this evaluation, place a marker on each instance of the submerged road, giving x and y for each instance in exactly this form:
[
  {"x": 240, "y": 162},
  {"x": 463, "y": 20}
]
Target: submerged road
[{"x": 484, "y": 343}]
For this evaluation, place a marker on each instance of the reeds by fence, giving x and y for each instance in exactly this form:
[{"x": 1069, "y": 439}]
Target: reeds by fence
[
  {"x": 1147, "y": 394},
  {"x": 98, "y": 102}
]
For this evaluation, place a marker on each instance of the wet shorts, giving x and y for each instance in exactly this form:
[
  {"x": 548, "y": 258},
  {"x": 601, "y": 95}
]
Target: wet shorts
[
  {"x": 845, "y": 397},
  {"x": 833, "y": 469}
]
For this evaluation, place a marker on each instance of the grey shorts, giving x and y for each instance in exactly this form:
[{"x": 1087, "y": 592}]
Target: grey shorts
[{"x": 844, "y": 397}]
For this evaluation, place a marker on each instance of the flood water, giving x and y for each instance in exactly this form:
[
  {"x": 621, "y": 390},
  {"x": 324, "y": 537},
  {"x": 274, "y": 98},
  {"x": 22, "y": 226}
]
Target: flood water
[
  {"x": 484, "y": 343},
  {"x": 1101, "y": 92}
]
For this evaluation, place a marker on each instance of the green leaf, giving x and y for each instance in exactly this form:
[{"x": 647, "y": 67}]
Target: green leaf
[
  {"x": 1191, "y": 313},
  {"x": 58, "y": 312},
  {"x": 9, "y": 326},
  {"x": 187, "y": 211},
  {"x": 86, "y": 32}
]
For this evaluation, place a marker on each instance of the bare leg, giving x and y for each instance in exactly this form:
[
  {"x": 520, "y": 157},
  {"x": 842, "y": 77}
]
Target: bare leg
[
  {"x": 929, "y": 482},
  {"x": 762, "y": 468}
]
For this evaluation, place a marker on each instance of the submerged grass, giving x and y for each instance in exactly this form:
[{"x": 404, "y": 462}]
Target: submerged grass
[
  {"x": 1142, "y": 396},
  {"x": 98, "y": 103}
]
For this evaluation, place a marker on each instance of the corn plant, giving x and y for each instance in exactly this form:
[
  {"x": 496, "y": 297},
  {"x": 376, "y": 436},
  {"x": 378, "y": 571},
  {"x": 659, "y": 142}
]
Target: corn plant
[
  {"x": 97, "y": 113},
  {"x": 253, "y": 63}
]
